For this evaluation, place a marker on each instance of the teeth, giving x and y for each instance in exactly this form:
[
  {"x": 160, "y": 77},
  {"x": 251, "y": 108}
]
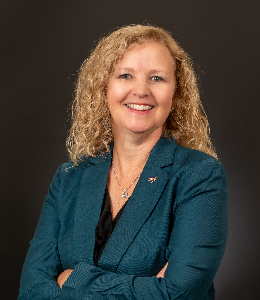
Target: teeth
[{"x": 139, "y": 107}]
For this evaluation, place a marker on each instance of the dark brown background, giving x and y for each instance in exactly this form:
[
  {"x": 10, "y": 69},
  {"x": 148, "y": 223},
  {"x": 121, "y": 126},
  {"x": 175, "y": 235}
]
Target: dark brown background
[{"x": 43, "y": 43}]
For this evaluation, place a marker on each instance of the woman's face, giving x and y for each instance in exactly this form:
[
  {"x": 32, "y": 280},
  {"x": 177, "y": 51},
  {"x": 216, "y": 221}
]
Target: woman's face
[{"x": 140, "y": 90}]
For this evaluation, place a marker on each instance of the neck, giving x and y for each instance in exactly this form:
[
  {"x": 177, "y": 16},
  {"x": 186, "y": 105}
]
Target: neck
[{"x": 131, "y": 152}]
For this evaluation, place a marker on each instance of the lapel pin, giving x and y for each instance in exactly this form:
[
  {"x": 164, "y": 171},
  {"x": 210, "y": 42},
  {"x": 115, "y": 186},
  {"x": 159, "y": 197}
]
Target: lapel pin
[{"x": 152, "y": 179}]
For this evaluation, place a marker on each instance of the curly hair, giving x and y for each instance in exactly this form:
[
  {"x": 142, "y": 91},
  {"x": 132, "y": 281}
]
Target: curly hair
[{"x": 91, "y": 132}]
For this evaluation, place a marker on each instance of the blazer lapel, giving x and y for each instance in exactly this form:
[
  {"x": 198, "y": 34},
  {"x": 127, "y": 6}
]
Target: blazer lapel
[
  {"x": 89, "y": 203},
  {"x": 140, "y": 205}
]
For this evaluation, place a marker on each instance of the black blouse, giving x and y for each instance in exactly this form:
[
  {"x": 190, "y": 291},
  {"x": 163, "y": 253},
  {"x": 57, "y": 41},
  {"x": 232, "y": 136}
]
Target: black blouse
[{"x": 105, "y": 226}]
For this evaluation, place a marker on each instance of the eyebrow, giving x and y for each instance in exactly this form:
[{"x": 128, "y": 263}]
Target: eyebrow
[
  {"x": 158, "y": 71},
  {"x": 132, "y": 70},
  {"x": 125, "y": 69}
]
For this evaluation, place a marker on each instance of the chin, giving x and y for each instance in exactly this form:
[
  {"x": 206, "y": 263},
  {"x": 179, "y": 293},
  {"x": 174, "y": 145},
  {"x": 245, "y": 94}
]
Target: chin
[{"x": 146, "y": 131}]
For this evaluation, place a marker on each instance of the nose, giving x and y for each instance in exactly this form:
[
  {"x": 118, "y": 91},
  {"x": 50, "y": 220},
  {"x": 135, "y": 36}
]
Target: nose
[{"x": 141, "y": 89}]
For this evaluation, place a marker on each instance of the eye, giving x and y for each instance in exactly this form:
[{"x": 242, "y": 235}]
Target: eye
[
  {"x": 157, "y": 78},
  {"x": 125, "y": 76}
]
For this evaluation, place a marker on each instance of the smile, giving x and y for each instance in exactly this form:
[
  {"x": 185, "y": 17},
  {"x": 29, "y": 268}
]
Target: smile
[{"x": 139, "y": 107}]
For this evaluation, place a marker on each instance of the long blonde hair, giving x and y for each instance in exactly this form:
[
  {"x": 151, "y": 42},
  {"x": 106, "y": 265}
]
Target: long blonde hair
[{"x": 91, "y": 132}]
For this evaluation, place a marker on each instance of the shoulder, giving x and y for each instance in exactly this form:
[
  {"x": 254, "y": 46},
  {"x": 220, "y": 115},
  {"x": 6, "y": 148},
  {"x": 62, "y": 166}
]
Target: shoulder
[
  {"x": 70, "y": 171},
  {"x": 191, "y": 158},
  {"x": 197, "y": 171},
  {"x": 174, "y": 157}
]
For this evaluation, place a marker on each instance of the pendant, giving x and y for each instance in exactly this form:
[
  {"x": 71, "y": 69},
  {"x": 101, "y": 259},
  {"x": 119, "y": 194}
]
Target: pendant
[{"x": 124, "y": 194}]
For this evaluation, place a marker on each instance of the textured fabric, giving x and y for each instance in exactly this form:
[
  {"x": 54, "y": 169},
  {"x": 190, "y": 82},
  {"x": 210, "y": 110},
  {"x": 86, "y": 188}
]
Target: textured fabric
[
  {"x": 105, "y": 227},
  {"x": 180, "y": 218}
]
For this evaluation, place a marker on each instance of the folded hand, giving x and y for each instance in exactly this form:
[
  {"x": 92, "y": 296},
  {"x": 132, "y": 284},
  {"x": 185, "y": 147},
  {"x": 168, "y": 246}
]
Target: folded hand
[
  {"x": 63, "y": 277},
  {"x": 161, "y": 273}
]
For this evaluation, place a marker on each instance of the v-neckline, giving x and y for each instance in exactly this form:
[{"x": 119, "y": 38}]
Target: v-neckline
[{"x": 105, "y": 226}]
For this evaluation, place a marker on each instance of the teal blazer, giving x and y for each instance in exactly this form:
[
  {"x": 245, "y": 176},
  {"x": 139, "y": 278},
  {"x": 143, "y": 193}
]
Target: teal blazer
[{"x": 181, "y": 218}]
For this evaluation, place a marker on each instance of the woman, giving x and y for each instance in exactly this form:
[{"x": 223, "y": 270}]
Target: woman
[{"x": 139, "y": 212}]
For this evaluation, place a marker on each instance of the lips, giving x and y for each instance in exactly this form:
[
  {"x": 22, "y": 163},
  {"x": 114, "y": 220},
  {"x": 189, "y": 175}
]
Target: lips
[{"x": 139, "y": 107}]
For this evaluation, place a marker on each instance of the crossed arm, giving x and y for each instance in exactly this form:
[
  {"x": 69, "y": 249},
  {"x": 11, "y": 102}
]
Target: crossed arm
[
  {"x": 65, "y": 275},
  {"x": 196, "y": 246}
]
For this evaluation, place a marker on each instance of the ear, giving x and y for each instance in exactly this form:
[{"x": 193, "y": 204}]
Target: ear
[{"x": 173, "y": 99}]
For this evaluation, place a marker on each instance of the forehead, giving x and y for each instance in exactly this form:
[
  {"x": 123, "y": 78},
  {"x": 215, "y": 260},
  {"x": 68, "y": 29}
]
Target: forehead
[
  {"x": 147, "y": 52},
  {"x": 143, "y": 44}
]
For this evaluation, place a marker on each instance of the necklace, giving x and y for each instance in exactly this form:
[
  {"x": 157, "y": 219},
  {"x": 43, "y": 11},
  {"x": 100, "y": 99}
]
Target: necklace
[{"x": 124, "y": 194}]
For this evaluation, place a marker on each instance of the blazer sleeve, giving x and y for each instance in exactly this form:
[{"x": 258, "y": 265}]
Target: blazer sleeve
[
  {"x": 196, "y": 247},
  {"x": 195, "y": 250},
  {"x": 42, "y": 264}
]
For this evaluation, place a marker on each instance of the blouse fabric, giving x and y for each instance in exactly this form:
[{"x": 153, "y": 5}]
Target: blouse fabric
[
  {"x": 105, "y": 226},
  {"x": 177, "y": 213}
]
